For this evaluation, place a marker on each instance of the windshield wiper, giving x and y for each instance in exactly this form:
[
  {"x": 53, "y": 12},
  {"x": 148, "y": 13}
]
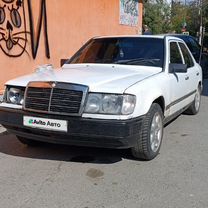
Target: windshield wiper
[{"x": 139, "y": 61}]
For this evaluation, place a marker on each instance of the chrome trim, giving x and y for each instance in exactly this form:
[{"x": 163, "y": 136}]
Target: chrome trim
[
  {"x": 58, "y": 85},
  {"x": 49, "y": 104},
  {"x": 179, "y": 100}
]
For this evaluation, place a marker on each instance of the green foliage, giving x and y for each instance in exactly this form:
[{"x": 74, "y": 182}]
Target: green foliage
[
  {"x": 162, "y": 17},
  {"x": 157, "y": 16},
  {"x": 193, "y": 18},
  {"x": 178, "y": 16}
]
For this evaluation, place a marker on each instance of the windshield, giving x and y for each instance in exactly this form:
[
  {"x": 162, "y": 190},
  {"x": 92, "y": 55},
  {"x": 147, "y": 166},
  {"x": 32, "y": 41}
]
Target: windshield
[{"x": 131, "y": 51}]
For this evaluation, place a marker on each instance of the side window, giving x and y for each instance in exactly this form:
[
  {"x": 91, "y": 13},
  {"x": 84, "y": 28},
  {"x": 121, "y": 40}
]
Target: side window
[
  {"x": 195, "y": 47},
  {"x": 175, "y": 55},
  {"x": 186, "y": 55}
]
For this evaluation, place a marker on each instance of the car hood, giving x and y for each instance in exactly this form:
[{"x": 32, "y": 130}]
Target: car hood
[{"x": 98, "y": 77}]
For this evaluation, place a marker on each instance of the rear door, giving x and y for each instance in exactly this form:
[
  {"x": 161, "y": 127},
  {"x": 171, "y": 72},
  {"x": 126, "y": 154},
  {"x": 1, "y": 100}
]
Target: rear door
[{"x": 192, "y": 71}]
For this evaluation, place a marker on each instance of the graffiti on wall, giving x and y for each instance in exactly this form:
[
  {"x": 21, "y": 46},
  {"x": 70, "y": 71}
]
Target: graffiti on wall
[
  {"x": 129, "y": 12},
  {"x": 17, "y": 28}
]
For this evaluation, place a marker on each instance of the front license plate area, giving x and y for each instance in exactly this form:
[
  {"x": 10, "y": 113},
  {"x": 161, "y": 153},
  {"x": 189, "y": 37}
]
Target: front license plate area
[{"x": 45, "y": 123}]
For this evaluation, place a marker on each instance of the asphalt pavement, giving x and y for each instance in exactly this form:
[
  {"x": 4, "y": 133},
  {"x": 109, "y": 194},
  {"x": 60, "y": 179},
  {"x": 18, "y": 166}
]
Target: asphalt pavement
[{"x": 57, "y": 176}]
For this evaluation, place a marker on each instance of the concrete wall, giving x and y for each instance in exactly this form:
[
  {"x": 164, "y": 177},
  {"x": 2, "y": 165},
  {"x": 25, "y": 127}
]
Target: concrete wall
[{"x": 69, "y": 25}]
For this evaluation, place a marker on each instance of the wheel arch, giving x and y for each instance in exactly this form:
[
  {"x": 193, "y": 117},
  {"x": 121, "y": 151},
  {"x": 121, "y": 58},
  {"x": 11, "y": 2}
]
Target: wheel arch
[
  {"x": 161, "y": 102},
  {"x": 200, "y": 84}
]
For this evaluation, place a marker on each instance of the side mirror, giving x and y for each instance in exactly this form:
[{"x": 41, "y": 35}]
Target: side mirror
[
  {"x": 63, "y": 61},
  {"x": 178, "y": 68}
]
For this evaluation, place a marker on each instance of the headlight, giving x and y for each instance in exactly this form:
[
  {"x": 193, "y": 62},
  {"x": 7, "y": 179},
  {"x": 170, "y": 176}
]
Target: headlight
[
  {"x": 93, "y": 103},
  {"x": 129, "y": 102},
  {"x": 110, "y": 104},
  {"x": 15, "y": 96}
]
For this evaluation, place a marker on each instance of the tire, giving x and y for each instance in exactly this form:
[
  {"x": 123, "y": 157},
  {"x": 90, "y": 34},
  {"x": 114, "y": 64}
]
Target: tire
[
  {"x": 28, "y": 142},
  {"x": 195, "y": 105},
  {"x": 149, "y": 143}
]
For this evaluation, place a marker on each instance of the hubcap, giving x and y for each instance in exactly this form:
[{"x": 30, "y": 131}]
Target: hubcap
[
  {"x": 156, "y": 132},
  {"x": 197, "y": 100}
]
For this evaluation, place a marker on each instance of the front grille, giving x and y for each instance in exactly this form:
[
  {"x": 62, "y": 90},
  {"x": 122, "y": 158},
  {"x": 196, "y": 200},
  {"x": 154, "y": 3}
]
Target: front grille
[
  {"x": 55, "y": 98},
  {"x": 38, "y": 98}
]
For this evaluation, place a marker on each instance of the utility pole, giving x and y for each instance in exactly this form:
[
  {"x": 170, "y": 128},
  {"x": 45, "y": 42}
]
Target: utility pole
[
  {"x": 201, "y": 22},
  {"x": 184, "y": 25},
  {"x": 201, "y": 31}
]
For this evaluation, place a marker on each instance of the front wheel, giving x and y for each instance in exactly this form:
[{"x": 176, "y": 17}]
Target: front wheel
[{"x": 149, "y": 143}]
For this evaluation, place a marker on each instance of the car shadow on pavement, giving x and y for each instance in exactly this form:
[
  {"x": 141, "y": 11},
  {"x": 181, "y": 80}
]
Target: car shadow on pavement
[{"x": 11, "y": 146}]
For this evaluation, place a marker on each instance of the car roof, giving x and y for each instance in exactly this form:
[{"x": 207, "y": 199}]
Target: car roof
[
  {"x": 182, "y": 36},
  {"x": 131, "y": 36},
  {"x": 163, "y": 36}
]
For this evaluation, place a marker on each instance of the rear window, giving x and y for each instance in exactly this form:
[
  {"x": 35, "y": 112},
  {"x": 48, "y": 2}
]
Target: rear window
[{"x": 132, "y": 51}]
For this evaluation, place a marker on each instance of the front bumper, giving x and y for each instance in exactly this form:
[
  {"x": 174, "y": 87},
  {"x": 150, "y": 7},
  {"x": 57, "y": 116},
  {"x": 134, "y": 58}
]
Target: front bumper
[{"x": 81, "y": 131}]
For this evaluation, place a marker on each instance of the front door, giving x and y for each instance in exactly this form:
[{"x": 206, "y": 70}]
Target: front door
[{"x": 180, "y": 81}]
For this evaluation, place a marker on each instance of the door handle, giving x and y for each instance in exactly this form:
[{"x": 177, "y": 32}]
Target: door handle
[
  {"x": 197, "y": 74},
  {"x": 187, "y": 78}
]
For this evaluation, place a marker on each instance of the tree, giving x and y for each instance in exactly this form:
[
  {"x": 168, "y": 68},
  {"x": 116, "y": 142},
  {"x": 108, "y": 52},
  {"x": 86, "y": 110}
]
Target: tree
[
  {"x": 157, "y": 16},
  {"x": 178, "y": 16},
  {"x": 162, "y": 17}
]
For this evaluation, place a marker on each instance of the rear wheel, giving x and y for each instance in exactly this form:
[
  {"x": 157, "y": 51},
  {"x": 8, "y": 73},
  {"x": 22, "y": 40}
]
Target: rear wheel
[
  {"x": 149, "y": 143},
  {"x": 195, "y": 106},
  {"x": 28, "y": 142}
]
